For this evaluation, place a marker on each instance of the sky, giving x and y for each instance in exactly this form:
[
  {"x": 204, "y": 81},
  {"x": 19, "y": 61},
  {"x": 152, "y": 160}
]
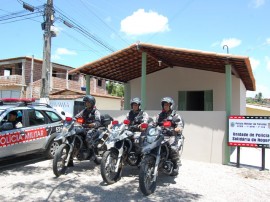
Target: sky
[{"x": 111, "y": 25}]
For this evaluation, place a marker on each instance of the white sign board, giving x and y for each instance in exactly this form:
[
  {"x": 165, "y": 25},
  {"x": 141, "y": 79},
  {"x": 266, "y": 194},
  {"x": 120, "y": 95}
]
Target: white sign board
[
  {"x": 249, "y": 131},
  {"x": 63, "y": 105}
]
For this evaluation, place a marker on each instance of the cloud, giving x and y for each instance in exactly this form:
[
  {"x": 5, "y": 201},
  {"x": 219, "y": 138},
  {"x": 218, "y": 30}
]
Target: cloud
[
  {"x": 257, "y": 3},
  {"x": 62, "y": 51},
  {"x": 141, "y": 22},
  {"x": 254, "y": 63},
  {"x": 268, "y": 41},
  {"x": 231, "y": 42},
  {"x": 56, "y": 57},
  {"x": 259, "y": 89}
]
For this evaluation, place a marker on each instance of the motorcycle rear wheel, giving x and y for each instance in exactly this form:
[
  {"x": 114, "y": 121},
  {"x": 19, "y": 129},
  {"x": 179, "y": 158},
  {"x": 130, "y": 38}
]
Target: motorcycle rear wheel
[
  {"x": 107, "y": 167},
  {"x": 59, "y": 160},
  {"x": 146, "y": 177}
]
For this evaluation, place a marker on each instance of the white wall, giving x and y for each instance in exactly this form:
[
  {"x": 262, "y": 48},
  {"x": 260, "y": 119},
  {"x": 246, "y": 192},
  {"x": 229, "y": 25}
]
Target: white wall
[
  {"x": 169, "y": 81},
  {"x": 63, "y": 105},
  {"x": 204, "y": 133},
  {"x": 105, "y": 103}
]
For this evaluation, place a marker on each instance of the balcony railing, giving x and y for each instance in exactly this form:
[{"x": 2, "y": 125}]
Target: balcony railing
[{"x": 11, "y": 80}]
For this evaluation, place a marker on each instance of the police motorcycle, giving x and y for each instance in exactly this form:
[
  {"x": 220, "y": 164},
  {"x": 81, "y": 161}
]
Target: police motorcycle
[
  {"x": 74, "y": 145},
  {"x": 120, "y": 150},
  {"x": 156, "y": 155}
]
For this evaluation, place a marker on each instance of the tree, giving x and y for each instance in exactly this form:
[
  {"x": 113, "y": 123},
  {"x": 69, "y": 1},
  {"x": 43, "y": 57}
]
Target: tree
[
  {"x": 258, "y": 97},
  {"x": 115, "y": 89}
]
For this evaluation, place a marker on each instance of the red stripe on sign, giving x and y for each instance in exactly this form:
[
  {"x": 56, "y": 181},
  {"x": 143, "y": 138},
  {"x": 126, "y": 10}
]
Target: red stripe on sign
[
  {"x": 234, "y": 144},
  {"x": 9, "y": 139},
  {"x": 236, "y": 117}
]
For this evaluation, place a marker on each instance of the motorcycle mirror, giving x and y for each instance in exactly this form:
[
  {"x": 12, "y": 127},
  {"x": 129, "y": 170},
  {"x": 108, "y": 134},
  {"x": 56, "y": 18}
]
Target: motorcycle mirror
[
  {"x": 115, "y": 122},
  {"x": 80, "y": 120},
  {"x": 68, "y": 119},
  {"x": 167, "y": 124},
  {"x": 126, "y": 122},
  {"x": 144, "y": 125}
]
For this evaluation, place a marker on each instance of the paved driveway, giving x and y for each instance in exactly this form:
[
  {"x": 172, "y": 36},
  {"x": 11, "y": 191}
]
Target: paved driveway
[{"x": 196, "y": 182}]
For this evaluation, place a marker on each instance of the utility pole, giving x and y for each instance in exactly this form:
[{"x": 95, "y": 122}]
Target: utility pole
[{"x": 46, "y": 65}]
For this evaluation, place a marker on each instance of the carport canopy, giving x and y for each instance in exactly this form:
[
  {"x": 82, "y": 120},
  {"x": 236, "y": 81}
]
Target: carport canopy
[{"x": 126, "y": 64}]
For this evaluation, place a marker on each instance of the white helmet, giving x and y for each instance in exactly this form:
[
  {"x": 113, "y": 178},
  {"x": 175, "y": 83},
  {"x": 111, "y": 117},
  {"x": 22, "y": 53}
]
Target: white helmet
[{"x": 167, "y": 100}]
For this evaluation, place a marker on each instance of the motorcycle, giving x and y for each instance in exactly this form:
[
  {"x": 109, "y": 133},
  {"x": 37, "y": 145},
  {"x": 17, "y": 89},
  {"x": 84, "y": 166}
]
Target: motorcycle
[
  {"x": 120, "y": 150},
  {"x": 74, "y": 144},
  {"x": 156, "y": 155}
]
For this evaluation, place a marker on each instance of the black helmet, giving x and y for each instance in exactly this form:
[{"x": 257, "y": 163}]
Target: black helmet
[
  {"x": 136, "y": 100},
  {"x": 89, "y": 98},
  {"x": 168, "y": 100}
]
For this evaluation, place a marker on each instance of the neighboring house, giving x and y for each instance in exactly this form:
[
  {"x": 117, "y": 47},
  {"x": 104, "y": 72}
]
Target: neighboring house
[
  {"x": 257, "y": 110},
  {"x": 206, "y": 87},
  {"x": 19, "y": 80}
]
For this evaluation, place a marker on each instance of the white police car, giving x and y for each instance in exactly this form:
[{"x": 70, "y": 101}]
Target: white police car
[{"x": 27, "y": 127}]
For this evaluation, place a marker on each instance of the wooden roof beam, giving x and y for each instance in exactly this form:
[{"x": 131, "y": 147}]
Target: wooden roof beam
[{"x": 158, "y": 59}]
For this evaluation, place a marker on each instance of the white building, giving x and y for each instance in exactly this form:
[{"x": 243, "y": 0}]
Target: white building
[{"x": 206, "y": 88}]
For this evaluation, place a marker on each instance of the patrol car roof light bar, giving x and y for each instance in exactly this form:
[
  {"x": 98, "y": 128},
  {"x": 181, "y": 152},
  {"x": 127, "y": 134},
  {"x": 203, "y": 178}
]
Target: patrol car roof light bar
[{"x": 16, "y": 101}]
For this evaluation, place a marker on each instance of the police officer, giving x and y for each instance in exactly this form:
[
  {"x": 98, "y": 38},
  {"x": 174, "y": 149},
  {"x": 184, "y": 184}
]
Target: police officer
[
  {"x": 136, "y": 115},
  {"x": 168, "y": 114},
  {"x": 12, "y": 118},
  {"x": 91, "y": 116}
]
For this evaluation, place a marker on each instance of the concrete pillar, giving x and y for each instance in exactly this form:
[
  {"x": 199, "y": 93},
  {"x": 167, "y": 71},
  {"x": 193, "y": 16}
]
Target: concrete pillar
[
  {"x": 143, "y": 80},
  {"x": 87, "y": 77},
  {"x": 228, "y": 71},
  {"x": 127, "y": 96}
]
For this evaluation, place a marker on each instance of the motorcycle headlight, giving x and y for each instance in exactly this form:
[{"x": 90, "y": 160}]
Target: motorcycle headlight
[{"x": 151, "y": 136}]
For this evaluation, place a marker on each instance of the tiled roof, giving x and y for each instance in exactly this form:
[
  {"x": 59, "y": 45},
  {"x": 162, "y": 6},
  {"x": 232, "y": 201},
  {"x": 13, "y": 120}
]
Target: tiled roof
[{"x": 125, "y": 65}]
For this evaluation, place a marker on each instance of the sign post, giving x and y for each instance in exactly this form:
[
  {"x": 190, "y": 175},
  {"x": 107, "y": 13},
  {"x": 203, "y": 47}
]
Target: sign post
[{"x": 249, "y": 131}]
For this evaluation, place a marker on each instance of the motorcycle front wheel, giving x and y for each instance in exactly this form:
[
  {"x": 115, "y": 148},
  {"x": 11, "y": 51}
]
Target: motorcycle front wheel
[
  {"x": 59, "y": 160},
  {"x": 133, "y": 159},
  {"x": 146, "y": 176},
  {"x": 107, "y": 167}
]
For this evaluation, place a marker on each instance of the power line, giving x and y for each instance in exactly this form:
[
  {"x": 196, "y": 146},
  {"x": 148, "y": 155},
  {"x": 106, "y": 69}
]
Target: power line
[
  {"x": 82, "y": 43},
  {"x": 30, "y": 18},
  {"x": 12, "y": 16},
  {"x": 103, "y": 22},
  {"x": 72, "y": 24}
]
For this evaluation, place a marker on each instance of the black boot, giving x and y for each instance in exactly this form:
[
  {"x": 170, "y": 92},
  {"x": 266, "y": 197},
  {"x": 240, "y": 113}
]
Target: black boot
[
  {"x": 175, "y": 168},
  {"x": 70, "y": 163}
]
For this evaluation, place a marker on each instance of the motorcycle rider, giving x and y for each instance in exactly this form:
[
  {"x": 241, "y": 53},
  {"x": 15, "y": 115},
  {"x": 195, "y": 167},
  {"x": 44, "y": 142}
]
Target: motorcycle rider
[
  {"x": 91, "y": 116},
  {"x": 136, "y": 115},
  {"x": 167, "y": 114}
]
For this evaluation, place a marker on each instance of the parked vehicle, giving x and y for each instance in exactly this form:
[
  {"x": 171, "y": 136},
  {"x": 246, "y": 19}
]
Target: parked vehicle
[
  {"x": 74, "y": 144},
  {"x": 120, "y": 150},
  {"x": 32, "y": 130},
  {"x": 156, "y": 152}
]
